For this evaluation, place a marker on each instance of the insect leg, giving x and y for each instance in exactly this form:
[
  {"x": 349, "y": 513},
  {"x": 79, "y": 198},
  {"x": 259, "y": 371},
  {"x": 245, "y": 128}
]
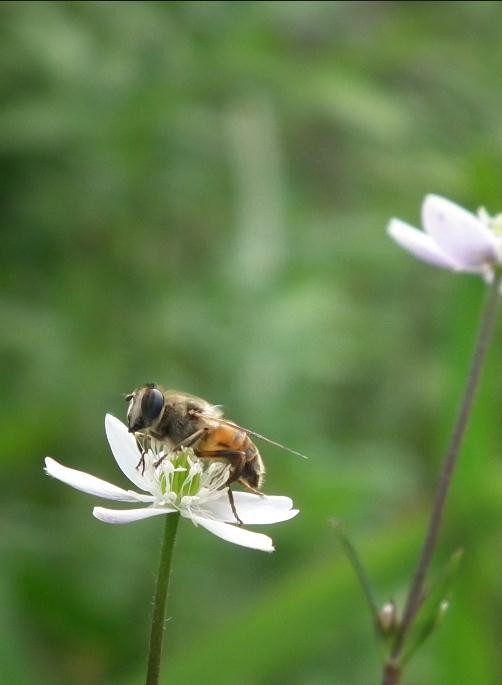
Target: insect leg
[
  {"x": 237, "y": 461},
  {"x": 187, "y": 442},
  {"x": 250, "y": 488},
  {"x": 235, "y": 458},
  {"x": 232, "y": 505},
  {"x": 140, "y": 443}
]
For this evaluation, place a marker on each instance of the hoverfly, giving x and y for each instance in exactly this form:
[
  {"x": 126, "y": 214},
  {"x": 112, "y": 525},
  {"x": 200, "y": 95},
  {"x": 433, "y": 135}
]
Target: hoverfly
[{"x": 182, "y": 420}]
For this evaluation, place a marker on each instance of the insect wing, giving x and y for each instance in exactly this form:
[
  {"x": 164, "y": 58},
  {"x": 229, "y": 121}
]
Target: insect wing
[{"x": 253, "y": 433}]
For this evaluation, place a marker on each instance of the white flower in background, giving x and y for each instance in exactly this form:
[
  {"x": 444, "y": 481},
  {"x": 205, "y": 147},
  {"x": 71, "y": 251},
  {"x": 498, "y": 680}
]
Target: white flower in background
[
  {"x": 453, "y": 238},
  {"x": 181, "y": 483}
]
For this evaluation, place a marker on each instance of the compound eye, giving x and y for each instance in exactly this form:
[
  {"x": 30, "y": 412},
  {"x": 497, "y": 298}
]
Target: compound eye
[{"x": 152, "y": 404}]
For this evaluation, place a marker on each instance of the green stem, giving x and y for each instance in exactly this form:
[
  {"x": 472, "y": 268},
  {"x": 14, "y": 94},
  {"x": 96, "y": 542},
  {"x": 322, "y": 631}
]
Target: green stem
[
  {"x": 391, "y": 673},
  {"x": 415, "y": 593},
  {"x": 160, "y": 599}
]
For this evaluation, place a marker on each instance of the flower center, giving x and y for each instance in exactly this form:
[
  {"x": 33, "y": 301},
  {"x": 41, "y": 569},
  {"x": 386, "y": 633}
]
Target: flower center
[
  {"x": 179, "y": 475},
  {"x": 494, "y": 223},
  {"x": 182, "y": 478}
]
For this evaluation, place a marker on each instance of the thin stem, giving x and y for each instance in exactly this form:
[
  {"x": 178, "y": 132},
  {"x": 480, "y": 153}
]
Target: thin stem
[
  {"x": 415, "y": 593},
  {"x": 160, "y": 599},
  {"x": 391, "y": 674}
]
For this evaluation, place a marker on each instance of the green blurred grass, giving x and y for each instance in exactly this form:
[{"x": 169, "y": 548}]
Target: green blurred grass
[{"x": 196, "y": 194}]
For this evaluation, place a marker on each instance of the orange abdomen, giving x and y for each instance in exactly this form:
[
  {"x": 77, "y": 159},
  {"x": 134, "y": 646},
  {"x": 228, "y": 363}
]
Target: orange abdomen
[
  {"x": 224, "y": 439},
  {"x": 230, "y": 441}
]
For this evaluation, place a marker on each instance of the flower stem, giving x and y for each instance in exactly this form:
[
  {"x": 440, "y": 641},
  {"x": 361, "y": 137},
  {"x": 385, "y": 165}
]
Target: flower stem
[
  {"x": 160, "y": 599},
  {"x": 415, "y": 594},
  {"x": 391, "y": 674}
]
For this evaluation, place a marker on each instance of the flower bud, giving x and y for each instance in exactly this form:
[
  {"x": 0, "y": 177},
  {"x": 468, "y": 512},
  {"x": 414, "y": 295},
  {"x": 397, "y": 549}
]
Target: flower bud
[{"x": 388, "y": 620}]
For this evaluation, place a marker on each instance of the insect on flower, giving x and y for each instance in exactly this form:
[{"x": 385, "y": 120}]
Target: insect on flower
[
  {"x": 177, "y": 420},
  {"x": 176, "y": 482}
]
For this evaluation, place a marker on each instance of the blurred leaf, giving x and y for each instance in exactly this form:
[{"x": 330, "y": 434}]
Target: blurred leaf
[
  {"x": 360, "y": 572},
  {"x": 433, "y": 607}
]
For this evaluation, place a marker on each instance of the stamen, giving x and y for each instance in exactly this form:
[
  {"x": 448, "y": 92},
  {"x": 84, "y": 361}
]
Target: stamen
[{"x": 184, "y": 481}]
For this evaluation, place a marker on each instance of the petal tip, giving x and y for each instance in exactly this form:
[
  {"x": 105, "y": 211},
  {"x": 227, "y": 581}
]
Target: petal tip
[
  {"x": 434, "y": 197},
  {"x": 432, "y": 200},
  {"x": 96, "y": 512},
  {"x": 112, "y": 422},
  {"x": 49, "y": 465},
  {"x": 392, "y": 228}
]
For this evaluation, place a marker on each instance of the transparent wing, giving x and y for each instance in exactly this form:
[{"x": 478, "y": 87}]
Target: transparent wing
[{"x": 225, "y": 422}]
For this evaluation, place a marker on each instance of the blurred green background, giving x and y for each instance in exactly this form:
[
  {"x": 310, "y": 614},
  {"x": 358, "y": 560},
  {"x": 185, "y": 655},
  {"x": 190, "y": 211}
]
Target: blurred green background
[{"x": 196, "y": 193}]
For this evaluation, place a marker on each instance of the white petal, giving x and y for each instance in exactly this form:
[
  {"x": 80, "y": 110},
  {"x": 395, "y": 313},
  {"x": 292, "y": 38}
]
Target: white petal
[
  {"x": 125, "y": 450},
  {"x": 253, "y": 509},
  {"x": 236, "y": 535},
  {"x": 420, "y": 245},
  {"x": 128, "y": 515},
  {"x": 458, "y": 233},
  {"x": 90, "y": 484}
]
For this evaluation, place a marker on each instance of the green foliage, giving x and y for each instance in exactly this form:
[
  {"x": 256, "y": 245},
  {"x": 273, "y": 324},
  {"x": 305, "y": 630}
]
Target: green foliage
[
  {"x": 434, "y": 607},
  {"x": 195, "y": 193}
]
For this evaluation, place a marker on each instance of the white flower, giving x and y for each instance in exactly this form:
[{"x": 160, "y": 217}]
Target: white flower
[
  {"x": 179, "y": 483},
  {"x": 453, "y": 238}
]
